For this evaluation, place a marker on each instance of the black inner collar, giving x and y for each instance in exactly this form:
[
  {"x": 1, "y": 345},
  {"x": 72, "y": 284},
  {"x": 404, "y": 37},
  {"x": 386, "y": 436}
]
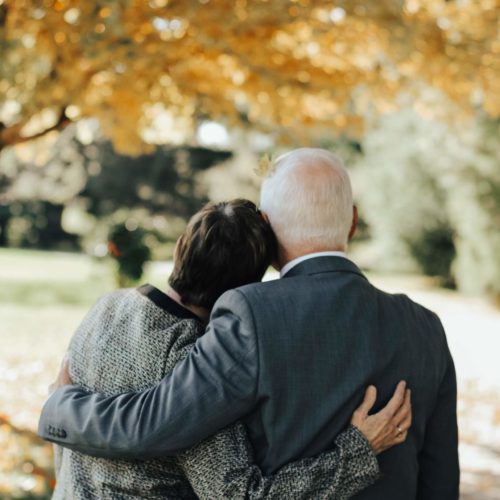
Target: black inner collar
[{"x": 163, "y": 301}]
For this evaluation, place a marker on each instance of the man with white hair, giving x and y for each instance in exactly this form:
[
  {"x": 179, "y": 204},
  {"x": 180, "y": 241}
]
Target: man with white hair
[
  {"x": 308, "y": 200},
  {"x": 291, "y": 357}
]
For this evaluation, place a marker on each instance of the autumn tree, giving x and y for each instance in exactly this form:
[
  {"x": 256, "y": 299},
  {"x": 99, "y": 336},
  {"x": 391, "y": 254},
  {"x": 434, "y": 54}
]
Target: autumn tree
[{"x": 150, "y": 70}]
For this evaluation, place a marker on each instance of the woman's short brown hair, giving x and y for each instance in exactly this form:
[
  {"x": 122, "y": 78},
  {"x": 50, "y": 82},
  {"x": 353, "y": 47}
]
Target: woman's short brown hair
[{"x": 224, "y": 246}]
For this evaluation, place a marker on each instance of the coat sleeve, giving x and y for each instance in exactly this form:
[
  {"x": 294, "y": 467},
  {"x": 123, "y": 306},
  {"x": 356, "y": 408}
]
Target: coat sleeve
[
  {"x": 212, "y": 387},
  {"x": 223, "y": 467},
  {"x": 439, "y": 472}
]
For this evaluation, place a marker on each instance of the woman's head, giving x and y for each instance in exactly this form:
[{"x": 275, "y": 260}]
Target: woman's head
[{"x": 225, "y": 245}]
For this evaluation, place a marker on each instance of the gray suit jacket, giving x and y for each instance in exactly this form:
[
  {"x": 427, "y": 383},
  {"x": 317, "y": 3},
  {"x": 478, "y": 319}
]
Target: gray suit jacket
[
  {"x": 129, "y": 341},
  {"x": 291, "y": 358}
]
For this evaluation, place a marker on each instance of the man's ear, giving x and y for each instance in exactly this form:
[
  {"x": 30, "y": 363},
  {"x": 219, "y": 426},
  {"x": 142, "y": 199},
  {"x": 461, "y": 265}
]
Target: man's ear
[
  {"x": 354, "y": 225},
  {"x": 274, "y": 264},
  {"x": 264, "y": 216}
]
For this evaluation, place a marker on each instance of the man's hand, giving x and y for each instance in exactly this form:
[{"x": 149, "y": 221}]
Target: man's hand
[
  {"x": 390, "y": 425},
  {"x": 63, "y": 377}
]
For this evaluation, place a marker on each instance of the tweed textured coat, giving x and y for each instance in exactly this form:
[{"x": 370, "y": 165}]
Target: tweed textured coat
[{"x": 127, "y": 342}]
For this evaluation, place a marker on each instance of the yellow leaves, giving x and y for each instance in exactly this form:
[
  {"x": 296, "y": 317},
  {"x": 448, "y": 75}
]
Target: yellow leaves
[
  {"x": 300, "y": 65},
  {"x": 59, "y": 5},
  {"x": 60, "y": 37},
  {"x": 105, "y": 12}
]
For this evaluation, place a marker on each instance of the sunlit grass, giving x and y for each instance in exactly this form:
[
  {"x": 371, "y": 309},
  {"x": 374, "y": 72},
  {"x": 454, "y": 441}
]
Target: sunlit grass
[{"x": 40, "y": 279}]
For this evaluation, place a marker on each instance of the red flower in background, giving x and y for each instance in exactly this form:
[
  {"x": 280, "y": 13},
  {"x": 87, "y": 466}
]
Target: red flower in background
[{"x": 113, "y": 249}]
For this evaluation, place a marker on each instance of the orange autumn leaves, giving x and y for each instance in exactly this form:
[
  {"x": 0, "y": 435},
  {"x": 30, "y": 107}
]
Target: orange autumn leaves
[{"x": 295, "y": 68}]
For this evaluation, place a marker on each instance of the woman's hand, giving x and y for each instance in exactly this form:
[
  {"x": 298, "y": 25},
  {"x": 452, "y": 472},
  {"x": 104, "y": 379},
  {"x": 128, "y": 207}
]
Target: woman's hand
[{"x": 390, "y": 425}]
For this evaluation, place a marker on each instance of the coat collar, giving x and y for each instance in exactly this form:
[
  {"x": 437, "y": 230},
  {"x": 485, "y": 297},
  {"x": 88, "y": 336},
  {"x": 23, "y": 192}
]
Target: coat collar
[
  {"x": 163, "y": 301},
  {"x": 320, "y": 265}
]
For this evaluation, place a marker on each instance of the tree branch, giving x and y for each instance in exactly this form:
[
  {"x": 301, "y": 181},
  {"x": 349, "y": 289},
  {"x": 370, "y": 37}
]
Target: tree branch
[{"x": 10, "y": 136}]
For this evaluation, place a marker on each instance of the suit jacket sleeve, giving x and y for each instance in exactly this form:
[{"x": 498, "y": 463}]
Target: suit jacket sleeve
[
  {"x": 439, "y": 473},
  {"x": 213, "y": 386},
  {"x": 223, "y": 467}
]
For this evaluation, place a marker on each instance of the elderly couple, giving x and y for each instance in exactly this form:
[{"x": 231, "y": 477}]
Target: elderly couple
[{"x": 225, "y": 387}]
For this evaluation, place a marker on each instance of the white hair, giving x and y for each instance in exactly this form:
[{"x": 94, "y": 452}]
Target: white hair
[{"x": 308, "y": 199}]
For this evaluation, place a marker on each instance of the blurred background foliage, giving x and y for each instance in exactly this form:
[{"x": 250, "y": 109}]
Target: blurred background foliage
[
  {"x": 428, "y": 192},
  {"x": 120, "y": 118},
  {"x": 62, "y": 194}
]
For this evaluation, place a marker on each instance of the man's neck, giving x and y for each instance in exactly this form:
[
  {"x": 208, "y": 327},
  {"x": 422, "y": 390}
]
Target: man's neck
[
  {"x": 290, "y": 264},
  {"x": 286, "y": 256},
  {"x": 202, "y": 312}
]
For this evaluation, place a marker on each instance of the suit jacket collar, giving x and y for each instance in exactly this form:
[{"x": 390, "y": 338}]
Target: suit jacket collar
[{"x": 320, "y": 265}]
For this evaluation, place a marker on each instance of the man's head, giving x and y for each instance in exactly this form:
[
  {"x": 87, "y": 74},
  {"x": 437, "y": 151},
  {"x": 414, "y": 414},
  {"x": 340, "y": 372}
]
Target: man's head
[
  {"x": 308, "y": 199},
  {"x": 225, "y": 245}
]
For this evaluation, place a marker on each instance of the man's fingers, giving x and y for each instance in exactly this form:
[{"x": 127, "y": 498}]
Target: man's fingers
[
  {"x": 64, "y": 377},
  {"x": 395, "y": 402},
  {"x": 65, "y": 359},
  {"x": 368, "y": 401}
]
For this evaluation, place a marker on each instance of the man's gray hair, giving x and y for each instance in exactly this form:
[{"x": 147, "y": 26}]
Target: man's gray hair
[{"x": 308, "y": 199}]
